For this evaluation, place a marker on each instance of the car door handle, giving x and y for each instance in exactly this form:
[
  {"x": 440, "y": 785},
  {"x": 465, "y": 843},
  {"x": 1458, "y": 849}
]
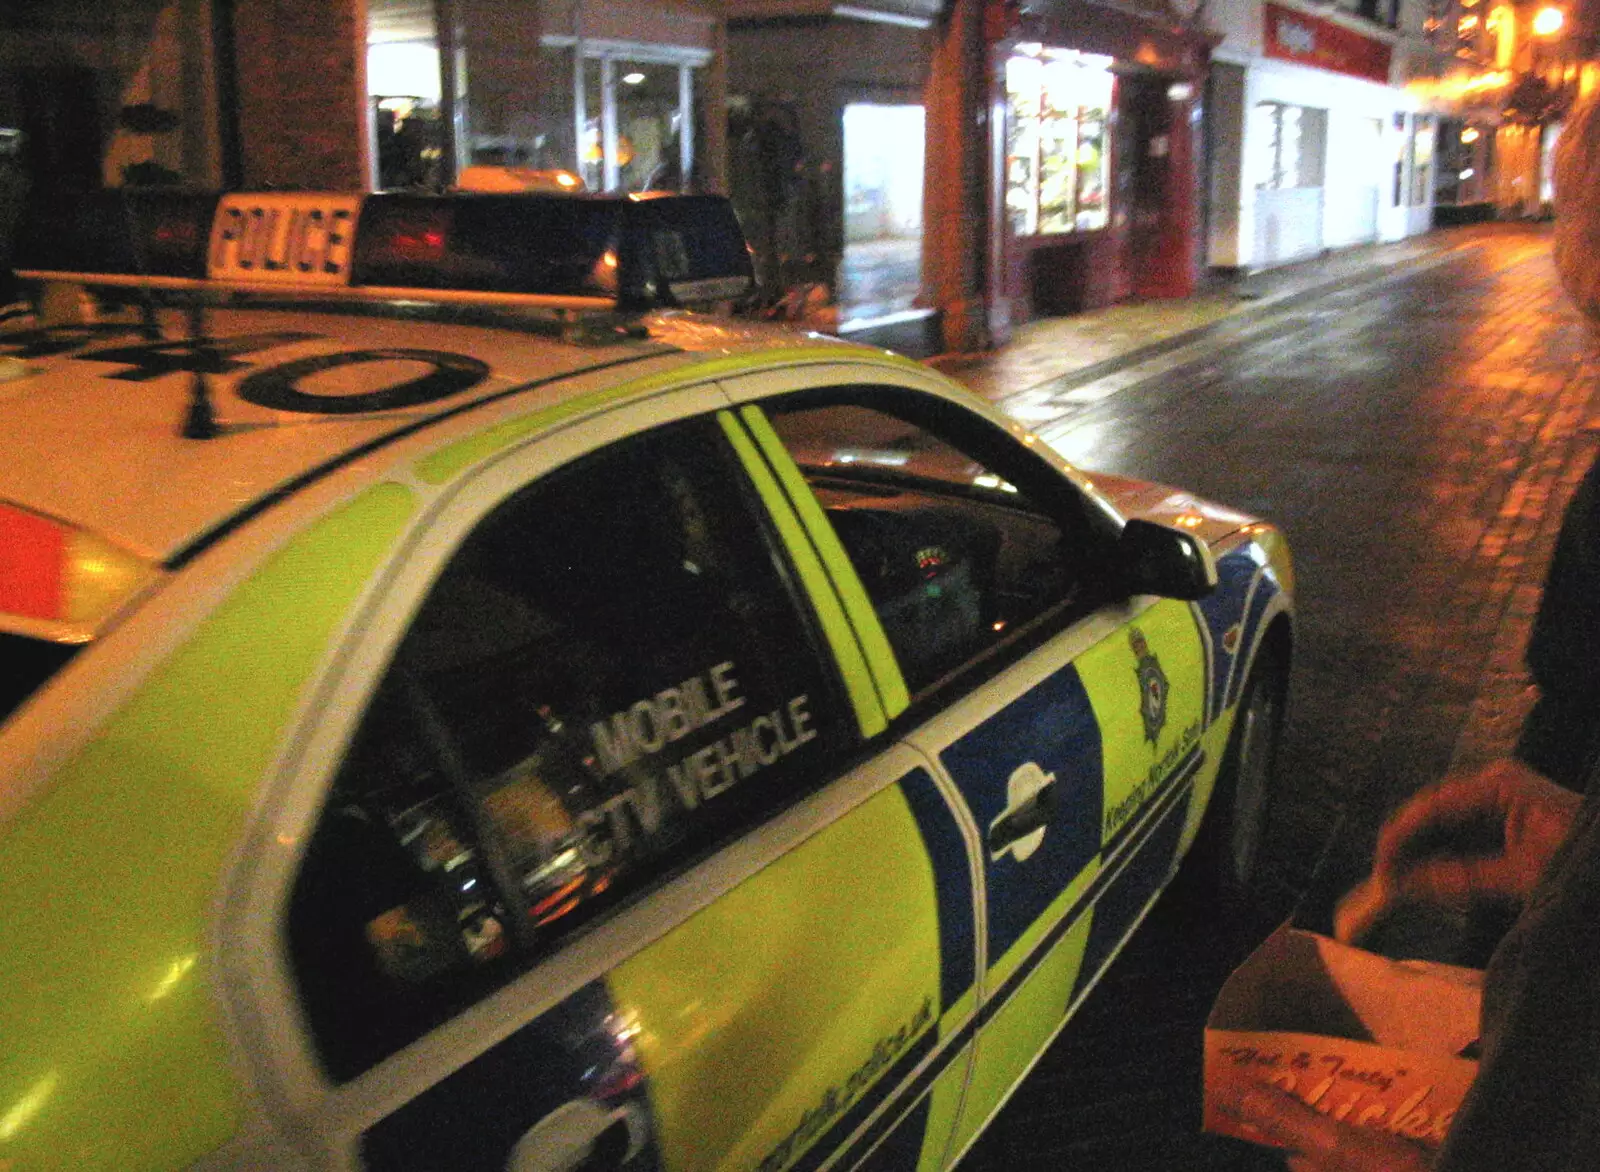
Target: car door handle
[
  {"x": 581, "y": 1136},
  {"x": 1024, "y": 819}
]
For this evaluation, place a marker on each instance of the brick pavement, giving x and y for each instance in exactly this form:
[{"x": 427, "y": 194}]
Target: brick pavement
[
  {"x": 1055, "y": 355},
  {"x": 1505, "y": 453}
]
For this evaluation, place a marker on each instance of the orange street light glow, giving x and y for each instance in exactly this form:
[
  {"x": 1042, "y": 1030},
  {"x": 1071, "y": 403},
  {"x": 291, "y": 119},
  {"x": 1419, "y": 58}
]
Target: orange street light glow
[{"x": 1547, "y": 22}]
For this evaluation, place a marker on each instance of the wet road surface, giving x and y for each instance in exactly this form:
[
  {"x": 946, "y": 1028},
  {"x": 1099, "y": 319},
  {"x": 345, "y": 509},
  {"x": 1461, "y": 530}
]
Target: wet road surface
[{"x": 1417, "y": 436}]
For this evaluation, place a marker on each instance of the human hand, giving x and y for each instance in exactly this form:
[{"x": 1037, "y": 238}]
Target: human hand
[
  {"x": 1314, "y": 1142},
  {"x": 1479, "y": 836}
]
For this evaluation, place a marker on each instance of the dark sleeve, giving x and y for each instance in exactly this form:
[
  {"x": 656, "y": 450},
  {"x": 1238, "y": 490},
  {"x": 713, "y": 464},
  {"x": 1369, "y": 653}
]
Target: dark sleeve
[
  {"x": 1536, "y": 1101},
  {"x": 1561, "y": 736}
]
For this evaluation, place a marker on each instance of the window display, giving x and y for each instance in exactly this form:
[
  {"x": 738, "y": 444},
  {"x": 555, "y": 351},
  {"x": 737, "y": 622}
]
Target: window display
[{"x": 1057, "y": 166}]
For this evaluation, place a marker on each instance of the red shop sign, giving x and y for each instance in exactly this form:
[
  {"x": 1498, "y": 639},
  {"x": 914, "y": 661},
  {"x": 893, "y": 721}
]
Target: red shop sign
[{"x": 1310, "y": 40}]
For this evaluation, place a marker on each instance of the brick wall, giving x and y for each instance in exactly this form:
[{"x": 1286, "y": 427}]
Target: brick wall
[{"x": 301, "y": 73}]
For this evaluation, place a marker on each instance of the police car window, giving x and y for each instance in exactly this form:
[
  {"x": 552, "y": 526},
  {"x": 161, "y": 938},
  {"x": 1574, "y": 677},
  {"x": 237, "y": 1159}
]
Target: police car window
[
  {"x": 955, "y": 556},
  {"x": 30, "y": 663},
  {"x": 611, "y": 677}
]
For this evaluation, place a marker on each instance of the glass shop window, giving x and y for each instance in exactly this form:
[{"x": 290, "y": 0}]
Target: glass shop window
[
  {"x": 106, "y": 95},
  {"x": 410, "y": 137},
  {"x": 534, "y": 108},
  {"x": 955, "y": 554},
  {"x": 1058, "y": 167},
  {"x": 1423, "y": 139},
  {"x": 610, "y": 679},
  {"x": 638, "y": 123},
  {"x": 1288, "y": 145}
]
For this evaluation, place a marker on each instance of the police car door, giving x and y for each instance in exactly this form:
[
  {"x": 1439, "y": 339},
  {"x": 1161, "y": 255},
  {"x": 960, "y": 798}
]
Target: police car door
[
  {"x": 597, "y": 867},
  {"x": 1068, "y": 719}
]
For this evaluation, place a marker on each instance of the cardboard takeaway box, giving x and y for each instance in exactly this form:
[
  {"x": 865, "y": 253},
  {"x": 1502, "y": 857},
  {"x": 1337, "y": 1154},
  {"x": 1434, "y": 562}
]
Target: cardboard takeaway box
[{"x": 1372, "y": 1041}]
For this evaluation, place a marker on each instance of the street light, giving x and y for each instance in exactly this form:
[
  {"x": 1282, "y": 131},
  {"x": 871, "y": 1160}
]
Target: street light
[{"x": 1547, "y": 21}]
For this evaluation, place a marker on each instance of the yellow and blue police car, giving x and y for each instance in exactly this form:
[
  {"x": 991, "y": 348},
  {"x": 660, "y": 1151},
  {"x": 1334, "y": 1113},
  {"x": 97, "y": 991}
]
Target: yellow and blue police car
[{"x": 464, "y": 710}]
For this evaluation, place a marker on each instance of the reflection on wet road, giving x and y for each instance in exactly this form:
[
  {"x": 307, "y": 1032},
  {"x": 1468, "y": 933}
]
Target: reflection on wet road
[{"x": 1417, "y": 438}]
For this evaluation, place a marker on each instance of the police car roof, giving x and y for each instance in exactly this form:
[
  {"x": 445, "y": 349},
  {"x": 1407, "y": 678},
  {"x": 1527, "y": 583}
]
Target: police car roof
[
  {"x": 92, "y": 435},
  {"x": 344, "y": 319}
]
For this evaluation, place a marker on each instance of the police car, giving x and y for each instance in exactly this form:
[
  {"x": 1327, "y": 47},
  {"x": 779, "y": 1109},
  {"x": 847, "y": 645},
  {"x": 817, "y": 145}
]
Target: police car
[{"x": 464, "y": 710}]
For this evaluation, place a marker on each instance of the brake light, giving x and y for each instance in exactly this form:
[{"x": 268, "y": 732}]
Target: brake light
[
  {"x": 31, "y": 553},
  {"x": 55, "y": 574}
]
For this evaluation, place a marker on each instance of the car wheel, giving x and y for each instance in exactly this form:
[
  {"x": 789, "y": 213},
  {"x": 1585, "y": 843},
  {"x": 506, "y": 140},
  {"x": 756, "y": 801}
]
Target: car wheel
[{"x": 1229, "y": 847}]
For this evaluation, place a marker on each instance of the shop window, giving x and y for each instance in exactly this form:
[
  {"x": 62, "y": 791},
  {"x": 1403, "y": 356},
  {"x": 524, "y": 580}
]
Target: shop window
[
  {"x": 1422, "y": 151},
  {"x": 1057, "y": 162},
  {"x": 1402, "y": 148},
  {"x": 542, "y": 112},
  {"x": 956, "y": 558},
  {"x": 1547, "y": 165},
  {"x": 1460, "y": 148},
  {"x": 609, "y": 679},
  {"x": 638, "y": 123},
  {"x": 880, "y": 272},
  {"x": 409, "y": 139},
  {"x": 1287, "y": 145},
  {"x": 403, "y": 95}
]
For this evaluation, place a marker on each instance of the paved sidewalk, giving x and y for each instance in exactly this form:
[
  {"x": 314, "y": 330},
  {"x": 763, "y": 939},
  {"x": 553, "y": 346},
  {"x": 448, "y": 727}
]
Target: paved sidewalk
[{"x": 1035, "y": 374}]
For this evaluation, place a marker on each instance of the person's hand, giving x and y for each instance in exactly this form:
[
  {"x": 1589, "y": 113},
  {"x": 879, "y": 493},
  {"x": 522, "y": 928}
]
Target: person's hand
[
  {"x": 1314, "y": 1142},
  {"x": 1482, "y": 836}
]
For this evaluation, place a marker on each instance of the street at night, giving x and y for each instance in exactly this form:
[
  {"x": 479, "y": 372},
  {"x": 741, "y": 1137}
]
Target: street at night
[
  {"x": 1416, "y": 430},
  {"x": 776, "y": 586}
]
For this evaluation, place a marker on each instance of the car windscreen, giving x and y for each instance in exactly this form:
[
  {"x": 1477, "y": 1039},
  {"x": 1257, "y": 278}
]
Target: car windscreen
[{"x": 26, "y": 665}]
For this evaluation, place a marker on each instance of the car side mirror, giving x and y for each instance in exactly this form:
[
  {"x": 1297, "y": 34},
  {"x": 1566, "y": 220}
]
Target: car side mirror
[{"x": 1170, "y": 563}]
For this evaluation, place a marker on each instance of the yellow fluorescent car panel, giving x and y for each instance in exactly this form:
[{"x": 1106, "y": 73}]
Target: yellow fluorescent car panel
[{"x": 520, "y": 721}]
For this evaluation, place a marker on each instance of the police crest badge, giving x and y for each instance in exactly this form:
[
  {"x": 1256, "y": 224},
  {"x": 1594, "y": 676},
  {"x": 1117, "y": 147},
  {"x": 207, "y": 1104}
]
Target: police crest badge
[{"x": 1153, "y": 685}]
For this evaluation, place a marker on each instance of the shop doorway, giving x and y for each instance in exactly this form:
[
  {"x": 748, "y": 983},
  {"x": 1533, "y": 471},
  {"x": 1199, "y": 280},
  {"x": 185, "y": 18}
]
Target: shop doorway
[
  {"x": 1144, "y": 152},
  {"x": 638, "y": 118},
  {"x": 1286, "y": 149},
  {"x": 880, "y": 272},
  {"x": 403, "y": 94},
  {"x": 1353, "y": 180}
]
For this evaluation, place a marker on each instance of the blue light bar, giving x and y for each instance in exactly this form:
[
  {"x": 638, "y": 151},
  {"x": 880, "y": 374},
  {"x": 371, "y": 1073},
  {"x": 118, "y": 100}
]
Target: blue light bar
[{"x": 566, "y": 251}]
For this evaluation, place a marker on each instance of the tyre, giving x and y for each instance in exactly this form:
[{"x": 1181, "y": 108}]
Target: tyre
[{"x": 1228, "y": 849}]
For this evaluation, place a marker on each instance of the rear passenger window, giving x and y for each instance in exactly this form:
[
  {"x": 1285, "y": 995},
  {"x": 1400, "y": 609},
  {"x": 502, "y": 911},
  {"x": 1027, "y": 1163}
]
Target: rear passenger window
[
  {"x": 612, "y": 676},
  {"x": 937, "y": 511}
]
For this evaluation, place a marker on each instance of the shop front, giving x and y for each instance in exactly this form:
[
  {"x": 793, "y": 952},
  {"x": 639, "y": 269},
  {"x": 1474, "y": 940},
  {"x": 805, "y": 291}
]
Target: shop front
[
  {"x": 1316, "y": 144},
  {"x": 600, "y": 95},
  {"x": 827, "y": 130},
  {"x": 1094, "y": 194},
  {"x": 1462, "y": 191}
]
